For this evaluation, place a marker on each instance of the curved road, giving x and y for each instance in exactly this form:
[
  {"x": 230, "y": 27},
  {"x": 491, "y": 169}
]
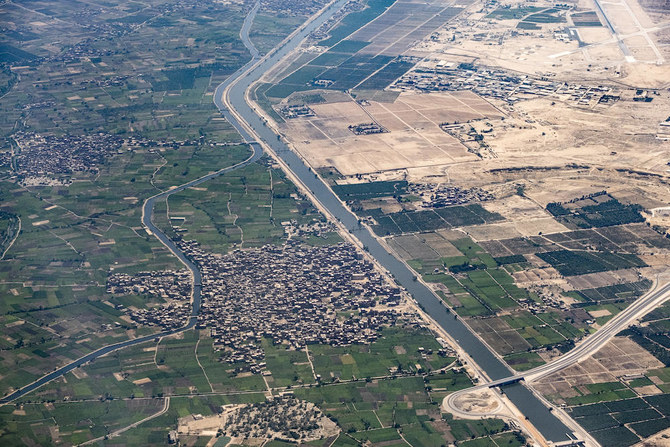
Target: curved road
[
  {"x": 231, "y": 99},
  {"x": 147, "y": 221},
  {"x": 586, "y": 348},
  {"x": 147, "y": 215}
]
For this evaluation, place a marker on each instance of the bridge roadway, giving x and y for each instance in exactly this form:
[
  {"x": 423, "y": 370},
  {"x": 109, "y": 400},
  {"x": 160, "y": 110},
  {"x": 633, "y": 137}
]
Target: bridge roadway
[
  {"x": 231, "y": 99},
  {"x": 591, "y": 344}
]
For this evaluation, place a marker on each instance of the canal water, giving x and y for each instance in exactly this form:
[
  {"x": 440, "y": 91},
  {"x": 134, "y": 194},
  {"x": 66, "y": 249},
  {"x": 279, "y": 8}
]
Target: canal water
[{"x": 548, "y": 424}]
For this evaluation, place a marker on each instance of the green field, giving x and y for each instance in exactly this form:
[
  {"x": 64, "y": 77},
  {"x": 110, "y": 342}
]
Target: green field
[
  {"x": 418, "y": 221},
  {"x": 606, "y": 212},
  {"x": 623, "y": 422},
  {"x": 513, "y": 13},
  {"x": 570, "y": 263},
  {"x": 407, "y": 399},
  {"x": 146, "y": 76}
]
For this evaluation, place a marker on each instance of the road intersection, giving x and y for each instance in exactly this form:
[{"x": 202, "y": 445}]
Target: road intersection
[{"x": 589, "y": 346}]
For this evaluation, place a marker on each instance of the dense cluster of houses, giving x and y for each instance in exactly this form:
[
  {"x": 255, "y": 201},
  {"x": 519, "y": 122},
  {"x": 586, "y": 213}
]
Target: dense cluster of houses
[
  {"x": 293, "y": 294},
  {"x": 39, "y": 154},
  {"x": 292, "y": 7},
  {"x": 167, "y": 284},
  {"x": 497, "y": 83},
  {"x": 438, "y": 195},
  {"x": 284, "y": 417},
  {"x": 318, "y": 228},
  {"x": 41, "y": 159}
]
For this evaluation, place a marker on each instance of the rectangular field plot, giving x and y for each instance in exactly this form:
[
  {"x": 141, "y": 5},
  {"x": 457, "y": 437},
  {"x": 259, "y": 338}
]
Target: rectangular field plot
[
  {"x": 386, "y": 76},
  {"x": 519, "y": 246},
  {"x": 503, "y": 338},
  {"x": 403, "y": 24},
  {"x": 616, "y": 292},
  {"x": 429, "y": 220},
  {"x": 362, "y": 191},
  {"x": 616, "y": 437},
  {"x": 524, "y": 361},
  {"x": 424, "y": 247},
  {"x": 648, "y": 428},
  {"x": 570, "y": 263},
  {"x": 586, "y": 18},
  {"x": 637, "y": 416},
  {"x": 354, "y": 21},
  {"x": 600, "y": 210},
  {"x": 642, "y": 418}
]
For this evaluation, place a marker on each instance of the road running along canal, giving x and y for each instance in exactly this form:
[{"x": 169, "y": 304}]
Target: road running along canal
[
  {"x": 147, "y": 220},
  {"x": 147, "y": 217},
  {"x": 552, "y": 428},
  {"x": 529, "y": 404}
]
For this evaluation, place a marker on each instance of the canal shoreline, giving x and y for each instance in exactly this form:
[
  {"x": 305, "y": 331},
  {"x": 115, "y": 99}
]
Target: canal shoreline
[{"x": 235, "y": 104}]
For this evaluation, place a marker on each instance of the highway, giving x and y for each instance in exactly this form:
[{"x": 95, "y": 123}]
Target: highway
[
  {"x": 589, "y": 346},
  {"x": 594, "y": 342},
  {"x": 232, "y": 100}
]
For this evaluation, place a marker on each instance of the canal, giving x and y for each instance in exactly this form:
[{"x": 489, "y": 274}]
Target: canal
[{"x": 548, "y": 424}]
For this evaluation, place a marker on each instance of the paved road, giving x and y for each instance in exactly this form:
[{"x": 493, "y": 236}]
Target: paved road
[
  {"x": 619, "y": 40},
  {"x": 232, "y": 101},
  {"x": 147, "y": 221},
  {"x": 147, "y": 215},
  {"x": 583, "y": 350}
]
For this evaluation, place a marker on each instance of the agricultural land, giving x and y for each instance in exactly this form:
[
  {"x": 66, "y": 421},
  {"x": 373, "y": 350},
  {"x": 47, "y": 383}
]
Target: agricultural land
[{"x": 514, "y": 154}]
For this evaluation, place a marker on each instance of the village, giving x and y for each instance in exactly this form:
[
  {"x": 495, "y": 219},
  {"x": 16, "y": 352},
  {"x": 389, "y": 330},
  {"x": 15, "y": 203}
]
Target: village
[
  {"x": 50, "y": 160},
  {"x": 293, "y": 294},
  {"x": 498, "y": 83},
  {"x": 38, "y": 154},
  {"x": 441, "y": 195}
]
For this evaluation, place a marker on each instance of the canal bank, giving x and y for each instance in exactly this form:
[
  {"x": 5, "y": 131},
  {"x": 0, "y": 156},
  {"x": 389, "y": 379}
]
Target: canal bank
[{"x": 235, "y": 90}]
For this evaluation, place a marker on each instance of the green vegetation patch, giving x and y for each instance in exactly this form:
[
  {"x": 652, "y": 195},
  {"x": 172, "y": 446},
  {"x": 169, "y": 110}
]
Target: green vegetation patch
[
  {"x": 605, "y": 421},
  {"x": 617, "y": 292},
  {"x": 601, "y": 392},
  {"x": 349, "y": 46},
  {"x": 571, "y": 263},
  {"x": 528, "y": 26},
  {"x": 386, "y": 76},
  {"x": 512, "y": 259},
  {"x": 524, "y": 361},
  {"x": 513, "y": 13},
  {"x": 548, "y": 16},
  {"x": 654, "y": 339},
  {"x": 12, "y": 54},
  {"x": 597, "y": 210},
  {"x": 356, "y": 20},
  {"x": 361, "y": 191},
  {"x": 430, "y": 220},
  {"x": 342, "y": 67},
  {"x": 396, "y": 350},
  {"x": 585, "y": 19}
]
